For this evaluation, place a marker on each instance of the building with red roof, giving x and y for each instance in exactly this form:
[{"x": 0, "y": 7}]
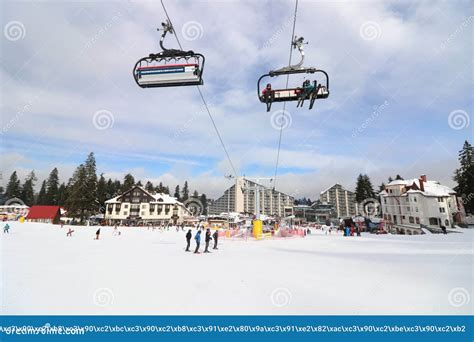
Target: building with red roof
[{"x": 44, "y": 214}]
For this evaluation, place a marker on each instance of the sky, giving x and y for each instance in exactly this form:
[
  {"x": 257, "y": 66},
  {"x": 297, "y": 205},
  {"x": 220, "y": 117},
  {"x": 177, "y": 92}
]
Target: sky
[{"x": 401, "y": 85}]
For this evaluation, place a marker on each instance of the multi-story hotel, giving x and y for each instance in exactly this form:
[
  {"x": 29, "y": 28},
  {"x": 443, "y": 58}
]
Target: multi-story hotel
[
  {"x": 342, "y": 200},
  {"x": 137, "y": 206},
  {"x": 419, "y": 201},
  {"x": 240, "y": 198}
]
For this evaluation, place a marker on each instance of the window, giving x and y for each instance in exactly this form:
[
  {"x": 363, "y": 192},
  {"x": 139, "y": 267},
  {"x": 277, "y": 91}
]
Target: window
[
  {"x": 440, "y": 199},
  {"x": 125, "y": 212},
  {"x": 403, "y": 217},
  {"x": 414, "y": 199},
  {"x": 416, "y": 209},
  {"x": 135, "y": 200},
  {"x": 408, "y": 208},
  {"x": 411, "y": 219},
  {"x": 433, "y": 221},
  {"x": 143, "y": 206},
  {"x": 125, "y": 206},
  {"x": 442, "y": 210},
  {"x": 142, "y": 213},
  {"x": 407, "y": 199},
  {"x": 417, "y": 219},
  {"x": 385, "y": 200},
  {"x": 391, "y": 191}
]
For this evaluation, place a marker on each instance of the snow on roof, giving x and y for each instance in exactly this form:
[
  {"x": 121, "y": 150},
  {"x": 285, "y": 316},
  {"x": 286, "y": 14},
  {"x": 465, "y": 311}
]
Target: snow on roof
[
  {"x": 332, "y": 186},
  {"x": 432, "y": 188},
  {"x": 158, "y": 197}
]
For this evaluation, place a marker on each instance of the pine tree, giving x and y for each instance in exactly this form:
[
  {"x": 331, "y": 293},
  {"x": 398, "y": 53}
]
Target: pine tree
[
  {"x": 27, "y": 190},
  {"x": 128, "y": 182},
  {"x": 139, "y": 183},
  {"x": 369, "y": 189},
  {"x": 176, "y": 193},
  {"x": 160, "y": 188},
  {"x": 185, "y": 195},
  {"x": 364, "y": 188},
  {"x": 52, "y": 187},
  {"x": 102, "y": 192},
  {"x": 195, "y": 194},
  {"x": 203, "y": 200},
  {"x": 464, "y": 176},
  {"x": 110, "y": 189},
  {"x": 166, "y": 190},
  {"x": 13, "y": 187},
  {"x": 76, "y": 202},
  {"x": 2, "y": 195},
  {"x": 149, "y": 187},
  {"x": 359, "y": 191},
  {"x": 90, "y": 186},
  {"x": 398, "y": 177},
  {"x": 117, "y": 187},
  {"x": 382, "y": 187},
  {"x": 390, "y": 179},
  {"x": 62, "y": 194},
  {"x": 41, "y": 199},
  {"x": 82, "y": 200}
]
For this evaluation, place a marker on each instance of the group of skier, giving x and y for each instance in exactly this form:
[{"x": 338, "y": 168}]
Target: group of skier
[{"x": 207, "y": 239}]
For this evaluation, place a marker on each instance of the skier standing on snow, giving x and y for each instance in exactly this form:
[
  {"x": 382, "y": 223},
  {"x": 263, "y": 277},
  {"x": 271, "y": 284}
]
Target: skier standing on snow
[
  {"x": 215, "y": 236},
  {"x": 69, "y": 232},
  {"x": 198, "y": 241},
  {"x": 188, "y": 240},
  {"x": 97, "y": 234},
  {"x": 208, "y": 239},
  {"x": 6, "y": 229}
]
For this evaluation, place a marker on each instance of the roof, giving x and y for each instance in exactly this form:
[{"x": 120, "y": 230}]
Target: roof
[
  {"x": 43, "y": 212},
  {"x": 158, "y": 198},
  {"x": 332, "y": 186},
  {"x": 432, "y": 188}
]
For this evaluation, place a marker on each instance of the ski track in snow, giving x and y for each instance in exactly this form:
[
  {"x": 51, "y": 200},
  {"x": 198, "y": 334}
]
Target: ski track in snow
[{"x": 147, "y": 272}]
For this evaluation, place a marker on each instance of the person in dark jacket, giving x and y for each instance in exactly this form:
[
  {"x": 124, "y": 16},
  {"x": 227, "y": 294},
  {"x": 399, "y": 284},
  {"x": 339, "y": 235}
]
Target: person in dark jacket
[
  {"x": 188, "y": 240},
  {"x": 97, "y": 234},
  {"x": 198, "y": 241},
  {"x": 207, "y": 240},
  {"x": 215, "y": 236}
]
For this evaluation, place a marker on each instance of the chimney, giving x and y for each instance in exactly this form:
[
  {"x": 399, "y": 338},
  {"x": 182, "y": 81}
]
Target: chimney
[{"x": 422, "y": 181}]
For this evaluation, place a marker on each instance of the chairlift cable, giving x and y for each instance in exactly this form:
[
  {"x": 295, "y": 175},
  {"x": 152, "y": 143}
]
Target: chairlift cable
[
  {"x": 203, "y": 99},
  {"x": 284, "y": 103}
]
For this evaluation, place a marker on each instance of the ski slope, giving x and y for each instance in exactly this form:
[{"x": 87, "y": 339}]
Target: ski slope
[{"x": 147, "y": 272}]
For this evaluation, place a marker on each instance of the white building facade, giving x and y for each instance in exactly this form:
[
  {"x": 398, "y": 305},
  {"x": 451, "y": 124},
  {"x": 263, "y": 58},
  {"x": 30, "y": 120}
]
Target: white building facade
[
  {"x": 342, "y": 200},
  {"x": 416, "y": 202},
  {"x": 241, "y": 198},
  {"x": 138, "y": 206}
]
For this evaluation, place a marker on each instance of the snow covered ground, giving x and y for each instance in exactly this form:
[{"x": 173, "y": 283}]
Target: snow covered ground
[{"x": 148, "y": 272}]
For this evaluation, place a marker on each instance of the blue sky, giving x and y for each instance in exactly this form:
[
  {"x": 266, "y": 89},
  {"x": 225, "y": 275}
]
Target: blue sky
[{"x": 400, "y": 73}]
